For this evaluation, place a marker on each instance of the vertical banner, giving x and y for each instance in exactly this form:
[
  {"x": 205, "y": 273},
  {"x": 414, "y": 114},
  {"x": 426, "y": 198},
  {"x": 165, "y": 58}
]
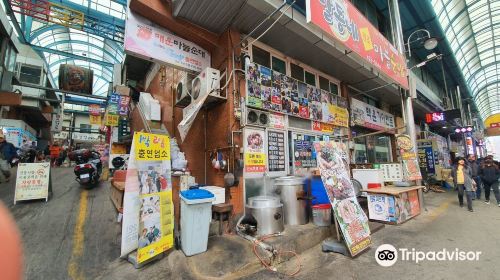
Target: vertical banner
[
  {"x": 32, "y": 181},
  {"x": 255, "y": 152},
  {"x": 57, "y": 123},
  {"x": 147, "y": 204},
  {"x": 335, "y": 176},
  {"x": 411, "y": 168}
]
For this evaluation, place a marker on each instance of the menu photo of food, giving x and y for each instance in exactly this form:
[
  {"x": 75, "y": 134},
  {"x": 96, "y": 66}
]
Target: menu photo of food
[
  {"x": 265, "y": 95},
  {"x": 304, "y": 108},
  {"x": 275, "y": 99},
  {"x": 315, "y": 110},
  {"x": 314, "y": 93}
]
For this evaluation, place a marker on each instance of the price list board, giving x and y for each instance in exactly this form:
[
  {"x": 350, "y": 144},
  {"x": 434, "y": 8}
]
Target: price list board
[{"x": 276, "y": 151}]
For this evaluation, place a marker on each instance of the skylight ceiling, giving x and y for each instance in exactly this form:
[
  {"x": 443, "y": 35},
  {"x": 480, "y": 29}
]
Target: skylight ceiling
[{"x": 472, "y": 29}]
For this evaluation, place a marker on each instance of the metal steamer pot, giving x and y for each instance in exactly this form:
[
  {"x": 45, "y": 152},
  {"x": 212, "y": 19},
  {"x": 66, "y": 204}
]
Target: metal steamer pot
[
  {"x": 294, "y": 198},
  {"x": 267, "y": 213}
]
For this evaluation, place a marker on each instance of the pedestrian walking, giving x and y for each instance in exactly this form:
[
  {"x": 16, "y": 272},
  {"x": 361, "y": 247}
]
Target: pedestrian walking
[
  {"x": 462, "y": 178},
  {"x": 7, "y": 154},
  {"x": 55, "y": 150},
  {"x": 490, "y": 173},
  {"x": 474, "y": 167}
]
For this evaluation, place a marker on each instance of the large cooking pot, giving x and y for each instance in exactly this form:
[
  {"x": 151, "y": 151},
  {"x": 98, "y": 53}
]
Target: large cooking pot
[
  {"x": 294, "y": 199},
  {"x": 267, "y": 212}
]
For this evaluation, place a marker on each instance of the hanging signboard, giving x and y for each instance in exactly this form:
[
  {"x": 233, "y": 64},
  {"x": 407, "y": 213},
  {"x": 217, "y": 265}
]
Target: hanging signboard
[
  {"x": 337, "y": 182},
  {"x": 111, "y": 120},
  {"x": 57, "y": 123},
  {"x": 95, "y": 120},
  {"x": 147, "y": 201},
  {"x": 61, "y": 135},
  {"x": 123, "y": 105},
  {"x": 32, "y": 181},
  {"x": 90, "y": 137},
  {"x": 146, "y": 40},
  {"x": 276, "y": 150},
  {"x": 366, "y": 115},
  {"x": 341, "y": 20},
  {"x": 411, "y": 168},
  {"x": 255, "y": 153},
  {"x": 94, "y": 109}
]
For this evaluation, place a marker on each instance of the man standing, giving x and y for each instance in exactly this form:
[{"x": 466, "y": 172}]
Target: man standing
[
  {"x": 474, "y": 166},
  {"x": 7, "y": 153}
]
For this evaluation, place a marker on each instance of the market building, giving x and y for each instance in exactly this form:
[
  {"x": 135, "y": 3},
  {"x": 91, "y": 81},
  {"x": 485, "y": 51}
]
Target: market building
[{"x": 297, "y": 120}]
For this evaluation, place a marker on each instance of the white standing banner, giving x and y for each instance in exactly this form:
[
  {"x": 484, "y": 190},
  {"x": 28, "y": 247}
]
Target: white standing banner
[
  {"x": 144, "y": 39},
  {"x": 32, "y": 181},
  {"x": 57, "y": 122}
]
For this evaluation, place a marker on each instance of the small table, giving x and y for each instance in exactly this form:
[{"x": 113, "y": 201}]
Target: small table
[{"x": 394, "y": 205}]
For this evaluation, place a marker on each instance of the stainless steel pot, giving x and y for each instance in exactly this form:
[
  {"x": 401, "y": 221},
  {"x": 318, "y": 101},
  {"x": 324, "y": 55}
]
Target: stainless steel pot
[
  {"x": 267, "y": 212},
  {"x": 294, "y": 199}
]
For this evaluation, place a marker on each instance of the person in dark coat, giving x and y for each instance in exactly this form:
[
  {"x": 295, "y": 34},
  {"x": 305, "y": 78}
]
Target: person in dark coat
[
  {"x": 7, "y": 149},
  {"x": 490, "y": 173},
  {"x": 474, "y": 168},
  {"x": 462, "y": 178}
]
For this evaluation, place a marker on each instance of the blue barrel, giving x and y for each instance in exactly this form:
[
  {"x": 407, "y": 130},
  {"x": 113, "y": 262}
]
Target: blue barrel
[{"x": 317, "y": 191}]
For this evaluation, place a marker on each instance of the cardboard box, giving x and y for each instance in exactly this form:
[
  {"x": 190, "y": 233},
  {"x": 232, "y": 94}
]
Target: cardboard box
[{"x": 122, "y": 90}]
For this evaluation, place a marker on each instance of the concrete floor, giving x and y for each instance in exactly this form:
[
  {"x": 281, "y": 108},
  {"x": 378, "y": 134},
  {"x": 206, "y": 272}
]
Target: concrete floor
[{"x": 75, "y": 236}]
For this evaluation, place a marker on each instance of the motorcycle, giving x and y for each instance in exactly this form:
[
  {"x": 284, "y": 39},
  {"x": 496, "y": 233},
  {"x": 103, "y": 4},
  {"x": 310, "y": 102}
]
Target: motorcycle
[{"x": 88, "y": 167}]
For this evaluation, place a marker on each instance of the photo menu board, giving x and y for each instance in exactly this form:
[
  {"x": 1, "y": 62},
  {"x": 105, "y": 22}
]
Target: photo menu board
[
  {"x": 276, "y": 151},
  {"x": 274, "y": 91}
]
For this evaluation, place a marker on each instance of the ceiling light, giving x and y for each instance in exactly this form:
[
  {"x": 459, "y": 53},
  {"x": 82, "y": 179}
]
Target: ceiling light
[
  {"x": 430, "y": 43},
  {"x": 445, "y": 127}
]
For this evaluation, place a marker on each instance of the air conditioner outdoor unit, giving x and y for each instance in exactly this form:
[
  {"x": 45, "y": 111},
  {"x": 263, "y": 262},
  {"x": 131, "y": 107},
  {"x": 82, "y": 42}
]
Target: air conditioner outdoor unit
[
  {"x": 183, "y": 92},
  {"x": 207, "y": 82},
  {"x": 256, "y": 117}
]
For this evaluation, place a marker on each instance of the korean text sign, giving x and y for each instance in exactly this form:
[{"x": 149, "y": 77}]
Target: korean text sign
[
  {"x": 255, "y": 153},
  {"x": 32, "y": 181},
  {"x": 366, "y": 115},
  {"x": 151, "y": 146},
  {"x": 144, "y": 39},
  {"x": 341, "y": 20}
]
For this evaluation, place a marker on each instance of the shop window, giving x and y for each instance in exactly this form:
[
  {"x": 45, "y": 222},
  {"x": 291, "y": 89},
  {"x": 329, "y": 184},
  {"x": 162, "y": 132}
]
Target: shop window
[
  {"x": 279, "y": 65},
  {"x": 11, "y": 66},
  {"x": 297, "y": 72},
  {"x": 334, "y": 88},
  {"x": 85, "y": 128},
  {"x": 261, "y": 57},
  {"x": 360, "y": 155},
  {"x": 383, "y": 149},
  {"x": 310, "y": 78},
  {"x": 30, "y": 74},
  {"x": 373, "y": 149},
  {"x": 324, "y": 83}
]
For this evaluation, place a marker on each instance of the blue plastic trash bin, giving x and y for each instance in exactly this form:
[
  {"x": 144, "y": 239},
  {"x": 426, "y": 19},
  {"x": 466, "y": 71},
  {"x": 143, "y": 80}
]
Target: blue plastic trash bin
[{"x": 196, "y": 214}]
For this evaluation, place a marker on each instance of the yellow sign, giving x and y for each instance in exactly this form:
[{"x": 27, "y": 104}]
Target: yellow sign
[
  {"x": 151, "y": 146},
  {"x": 96, "y": 120},
  {"x": 367, "y": 40},
  {"x": 156, "y": 233},
  {"x": 340, "y": 116},
  {"x": 255, "y": 162},
  {"x": 112, "y": 120}
]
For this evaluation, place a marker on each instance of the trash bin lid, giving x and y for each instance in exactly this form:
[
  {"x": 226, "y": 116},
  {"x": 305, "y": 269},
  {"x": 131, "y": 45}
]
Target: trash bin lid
[{"x": 196, "y": 194}]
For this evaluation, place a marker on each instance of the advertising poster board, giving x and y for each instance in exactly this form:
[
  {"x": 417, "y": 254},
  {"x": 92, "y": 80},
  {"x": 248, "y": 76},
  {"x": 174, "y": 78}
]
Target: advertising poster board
[
  {"x": 255, "y": 151},
  {"x": 148, "y": 188},
  {"x": 381, "y": 208},
  {"x": 57, "y": 123},
  {"x": 276, "y": 150},
  {"x": 336, "y": 180},
  {"x": 411, "y": 168},
  {"x": 32, "y": 181}
]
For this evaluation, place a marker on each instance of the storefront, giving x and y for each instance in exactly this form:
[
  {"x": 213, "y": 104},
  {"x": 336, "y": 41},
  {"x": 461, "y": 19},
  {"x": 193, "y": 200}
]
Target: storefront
[
  {"x": 366, "y": 119},
  {"x": 288, "y": 106}
]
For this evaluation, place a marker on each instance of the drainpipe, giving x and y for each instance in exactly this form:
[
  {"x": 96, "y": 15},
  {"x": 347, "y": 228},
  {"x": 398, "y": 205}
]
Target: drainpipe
[{"x": 407, "y": 106}]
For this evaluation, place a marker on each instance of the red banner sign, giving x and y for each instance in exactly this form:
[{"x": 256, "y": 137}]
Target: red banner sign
[{"x": 342, "y": 20}]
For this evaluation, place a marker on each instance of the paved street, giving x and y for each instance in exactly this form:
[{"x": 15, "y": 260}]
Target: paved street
[{"x": 75, "y": 236}]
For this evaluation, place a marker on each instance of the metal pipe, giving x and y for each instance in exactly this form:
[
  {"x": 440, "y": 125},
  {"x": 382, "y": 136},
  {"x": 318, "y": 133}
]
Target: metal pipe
[
  {"x": 444, "y": 77},
  {"x": 64, "y": 91},
  {"x": 459, "y": 100}
]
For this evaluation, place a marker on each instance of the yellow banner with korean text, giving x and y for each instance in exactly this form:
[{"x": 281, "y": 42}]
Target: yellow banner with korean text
[
  {"x": 111, "y": 120},
  {"x": 341, "y": 116},
  {"x": 151, "y": 146},
  {"x": 95, "y": 119}
]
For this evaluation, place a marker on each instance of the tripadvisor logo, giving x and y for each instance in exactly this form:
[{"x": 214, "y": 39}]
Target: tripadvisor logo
[{"x": 387, "y": 255}]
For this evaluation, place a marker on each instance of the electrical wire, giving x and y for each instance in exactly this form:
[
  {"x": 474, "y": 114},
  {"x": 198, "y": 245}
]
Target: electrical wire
[
  {"x": 269, "y": 28},
  {"x": 276, "y": 253}
]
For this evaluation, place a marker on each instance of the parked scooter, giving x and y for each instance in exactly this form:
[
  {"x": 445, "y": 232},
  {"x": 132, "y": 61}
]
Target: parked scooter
[{"x": 88, "y": 167}]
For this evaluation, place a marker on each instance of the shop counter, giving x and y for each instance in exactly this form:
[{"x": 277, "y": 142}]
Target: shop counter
[{"x": 394, "y": 205}]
